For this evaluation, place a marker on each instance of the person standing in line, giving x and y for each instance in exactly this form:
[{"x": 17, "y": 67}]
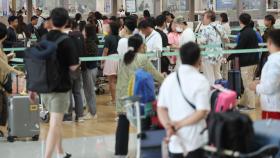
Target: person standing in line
[
  {"x": 212, "y": 34},
  {"x": 146, "y": 14},
  {"x": 187, "y": 34},
  {"x": 41, "y": 19},
  {"x": 76, "y": 79},
  {"x": 58, "y": 101},
  {"x": 269, "y": 22},
  {"x": 21, "y": 29},
  {"x": 132, "y": 60},
  {"x": 269, "y": 85},
  {"x": 130, "y": 25},
  {"x": 225, "y": 23},
  {"x": 247, "y": 61},
  {"x": 182, "y": 121},
  {"x": 111, "y": 66},
  {"x": 160, "y": 27},
  {"x": 89, "y": 70},
  {"x": 11, "y": 39},
  {"x": 31, "y": 29},
  {"x": 173, "y": 40},
  {"x": 152, "y": 38}
]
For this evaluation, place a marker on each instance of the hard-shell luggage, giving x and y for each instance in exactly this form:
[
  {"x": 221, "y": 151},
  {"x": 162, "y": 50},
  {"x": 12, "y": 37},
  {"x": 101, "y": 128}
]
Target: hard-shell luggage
[
  {"x": 222, "y": 99},
  {"x": 23, "y": 118},
  {"x": 234, "y": 78},
  {"x": 223, "y": 82}
]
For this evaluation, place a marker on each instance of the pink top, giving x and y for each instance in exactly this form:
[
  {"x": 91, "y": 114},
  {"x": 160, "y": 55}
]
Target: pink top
[{"x": 173, "y": 38}]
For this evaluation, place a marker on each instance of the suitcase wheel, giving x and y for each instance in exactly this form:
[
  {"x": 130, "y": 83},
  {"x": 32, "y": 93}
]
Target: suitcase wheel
[
  {"x": 46, "y": 118},
  {"x": 11, "y": 139},
  {"x": 35, "y": 138}
]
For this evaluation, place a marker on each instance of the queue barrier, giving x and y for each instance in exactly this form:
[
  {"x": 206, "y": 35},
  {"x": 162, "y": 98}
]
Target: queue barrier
[
  {"x": 165, "y": 49},
  {"x": 155, "y": 54}
]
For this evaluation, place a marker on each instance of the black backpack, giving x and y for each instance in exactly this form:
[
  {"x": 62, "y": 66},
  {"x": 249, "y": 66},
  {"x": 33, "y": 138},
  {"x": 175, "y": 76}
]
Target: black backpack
[
  {"x": 42, "y": 66},
  {"x": 231, "y": 131}
]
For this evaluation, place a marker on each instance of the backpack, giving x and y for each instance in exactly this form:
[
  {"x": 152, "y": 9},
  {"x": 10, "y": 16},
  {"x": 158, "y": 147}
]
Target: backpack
[
  {"x": 42, "y": 66},
  {"x": 231, "y": 131},
  {"x": 142, "y": 84}
]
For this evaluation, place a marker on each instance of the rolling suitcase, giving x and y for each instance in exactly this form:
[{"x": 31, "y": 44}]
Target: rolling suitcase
[
  {"x": 222, "y": 99},
  {"x": 23, "y": 118},
  {"x": 234, "y": 78}
]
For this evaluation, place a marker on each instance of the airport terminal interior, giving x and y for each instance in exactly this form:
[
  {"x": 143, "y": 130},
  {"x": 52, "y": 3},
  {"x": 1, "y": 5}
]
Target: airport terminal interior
[{"x": 140, "y": 79}]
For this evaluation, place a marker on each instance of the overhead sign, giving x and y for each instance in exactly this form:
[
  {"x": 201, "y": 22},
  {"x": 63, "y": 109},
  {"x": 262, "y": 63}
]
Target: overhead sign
[
  {"x": 225, "y": 4},
  {"x": 4, "y": 8},
  {"x": 130, "y": 6}
]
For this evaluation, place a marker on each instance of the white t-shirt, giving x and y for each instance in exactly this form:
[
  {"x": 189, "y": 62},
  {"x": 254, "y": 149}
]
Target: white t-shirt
[
  {"x": 153, "y": 42},
  {"x": 186, "y": 37},
  {"x": 40, "y": 21},
  {"x": 197, "y": 89},
  {"x": 123, "y": 46}
]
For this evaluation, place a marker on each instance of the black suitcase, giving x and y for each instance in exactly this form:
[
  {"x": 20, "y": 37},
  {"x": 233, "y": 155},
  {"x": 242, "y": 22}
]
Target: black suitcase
[{"x": 235, "y": 79}]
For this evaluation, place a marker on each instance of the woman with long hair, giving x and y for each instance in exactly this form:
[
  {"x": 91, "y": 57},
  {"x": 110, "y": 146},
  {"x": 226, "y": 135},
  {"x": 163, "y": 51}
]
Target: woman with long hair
[
  {"x": 89, "y": 70},
  {"x": 133, "y": 60},
  {"x": 110, "y": 67}
]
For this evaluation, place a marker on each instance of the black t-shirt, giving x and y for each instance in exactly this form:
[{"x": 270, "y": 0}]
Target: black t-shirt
[
  {"x": 111, "y": 42},
  {"x": 164, "y": 38},
  {"x": 67, "y": 56}
]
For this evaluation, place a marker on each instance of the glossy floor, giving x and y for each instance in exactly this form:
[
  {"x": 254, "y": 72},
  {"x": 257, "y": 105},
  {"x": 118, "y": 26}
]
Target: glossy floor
[
  {"x": 90, "y": 147},
  {"x": 90, "y": 139}
]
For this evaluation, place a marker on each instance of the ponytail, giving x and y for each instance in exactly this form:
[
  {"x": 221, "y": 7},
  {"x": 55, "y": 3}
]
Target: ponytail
[
  {"x": 134, "y": 43},
  {"x": 129, "y": 56}
]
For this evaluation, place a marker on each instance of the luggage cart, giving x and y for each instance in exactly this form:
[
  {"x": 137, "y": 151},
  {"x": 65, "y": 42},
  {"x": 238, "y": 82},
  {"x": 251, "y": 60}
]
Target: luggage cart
[{"x": 148, "y": 142}]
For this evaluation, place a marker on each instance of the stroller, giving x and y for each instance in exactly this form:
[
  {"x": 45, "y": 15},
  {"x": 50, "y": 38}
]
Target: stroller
[
  {"x": 101, "y": 81},
  {"x": 148, "y": 142}
]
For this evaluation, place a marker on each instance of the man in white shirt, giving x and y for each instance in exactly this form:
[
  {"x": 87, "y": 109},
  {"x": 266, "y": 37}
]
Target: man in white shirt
[
  {"x": 40, "y": 18},
  {"x": 183, "y": 106},
  {"x": 187, "y": 34},
  {"x": 130, "y": 24},
  {"x": 269, "y": 86},
  {"x": 153, "y": 39}
]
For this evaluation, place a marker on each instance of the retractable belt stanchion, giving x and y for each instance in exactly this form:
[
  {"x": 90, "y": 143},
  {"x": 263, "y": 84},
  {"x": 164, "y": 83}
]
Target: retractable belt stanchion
[
  {"x": 150, "y": 54},
  {"x": 158, "y": 56}
]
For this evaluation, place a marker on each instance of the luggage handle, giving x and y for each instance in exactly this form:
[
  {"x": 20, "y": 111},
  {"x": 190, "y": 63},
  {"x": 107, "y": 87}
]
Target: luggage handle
[{"x": 236, "y": 65}]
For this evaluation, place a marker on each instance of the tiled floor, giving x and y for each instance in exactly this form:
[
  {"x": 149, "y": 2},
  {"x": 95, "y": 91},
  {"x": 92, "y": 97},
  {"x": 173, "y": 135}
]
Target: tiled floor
[{"x": 92, "y": 147}]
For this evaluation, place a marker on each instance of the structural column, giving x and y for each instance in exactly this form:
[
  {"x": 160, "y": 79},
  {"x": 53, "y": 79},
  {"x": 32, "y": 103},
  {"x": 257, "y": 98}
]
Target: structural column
[
  {"x": 191, "y": 10},
  {"x": 14, "y": 5},
  {"x": 29, "y": 9},
  {"x": 239, "y": 8}
]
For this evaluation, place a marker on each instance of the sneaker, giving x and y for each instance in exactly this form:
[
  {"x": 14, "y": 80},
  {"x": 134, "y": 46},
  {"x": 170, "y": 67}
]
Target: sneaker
[
  {"x": 67, "y": 155},
  {"x": 67, "y": 118},
  {"x": 79, "y": 119},
  {"x": 244, "y": 108},
  {"x": 88, "y": 116}
]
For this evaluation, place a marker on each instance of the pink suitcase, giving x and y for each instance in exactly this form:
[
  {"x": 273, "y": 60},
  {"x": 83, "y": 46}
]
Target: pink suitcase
[{"x": 222, "y": 99}]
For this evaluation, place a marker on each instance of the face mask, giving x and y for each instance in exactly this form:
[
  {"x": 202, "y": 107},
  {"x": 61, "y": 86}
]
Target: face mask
[{"x": 179, "y": 29}]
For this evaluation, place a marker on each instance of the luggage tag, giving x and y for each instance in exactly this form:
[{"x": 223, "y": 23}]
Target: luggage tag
[{"x": 33, "y": 107}]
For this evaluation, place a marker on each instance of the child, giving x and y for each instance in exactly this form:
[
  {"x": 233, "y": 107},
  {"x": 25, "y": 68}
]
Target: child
[{"x": 269, "y": 85}]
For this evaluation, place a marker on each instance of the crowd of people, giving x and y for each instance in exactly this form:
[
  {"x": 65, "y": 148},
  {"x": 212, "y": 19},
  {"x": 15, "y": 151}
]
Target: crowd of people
[{"x": 133, "y": 36}]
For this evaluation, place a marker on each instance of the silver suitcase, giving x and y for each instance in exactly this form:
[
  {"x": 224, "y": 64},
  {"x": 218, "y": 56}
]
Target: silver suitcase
[{"x": 23, "y": 118}]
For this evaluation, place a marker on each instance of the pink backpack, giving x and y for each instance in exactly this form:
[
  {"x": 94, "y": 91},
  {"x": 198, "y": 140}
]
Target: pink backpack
[{"x": 222, "y": 99}]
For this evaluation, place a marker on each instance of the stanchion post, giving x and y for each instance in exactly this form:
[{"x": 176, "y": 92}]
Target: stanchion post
[{"x": 159, "y": 55}]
